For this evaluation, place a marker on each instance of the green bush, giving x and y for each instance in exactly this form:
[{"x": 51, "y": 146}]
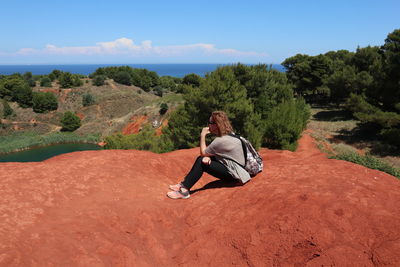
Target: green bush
[
  {"x": 7, "y": 110},
  {"x": 45, "y": 82},
  {"x": 43, "y": 102},
  {"x": 99, "y": 80},
  {"x": 168, "y": 83},
  {"x": 14, "y": 88},
  {"x": 192, "y": 79},
  {"x": 158, "y": 91},
  {"x": 27, "y": 75},
  {"x": 31, "y": 82},
  {"x": 55, "y": 74},
  {"x": 70, "y": 122},
  {"x": 123, "y": 77},
  {"x": 68, "y": 80},
  {"x": 22, "y": 94},
  {"x": 369, "y": 162},
  {"x": 144, "y": 79},
  {"x": 87, "y": 100},
  {"x": 163, "y": 108},
  {"x": 285, "y": 124}
]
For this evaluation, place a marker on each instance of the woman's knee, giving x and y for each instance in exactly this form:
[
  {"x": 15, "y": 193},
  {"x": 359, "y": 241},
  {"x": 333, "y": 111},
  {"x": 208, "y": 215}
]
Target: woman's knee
[
  {"x": 199, "y": 159},
  {"x": 203, "y": 161}
]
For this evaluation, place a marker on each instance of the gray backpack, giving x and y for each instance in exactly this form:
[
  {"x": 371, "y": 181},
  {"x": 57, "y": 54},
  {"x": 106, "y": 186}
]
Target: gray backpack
[{"x": 253, "y": 161}]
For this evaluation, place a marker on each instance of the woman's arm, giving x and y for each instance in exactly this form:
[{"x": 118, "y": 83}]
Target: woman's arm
[{"x": 203, "y": 145}]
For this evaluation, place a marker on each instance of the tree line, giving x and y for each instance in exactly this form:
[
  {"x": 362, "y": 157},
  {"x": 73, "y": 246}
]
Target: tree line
[
  {"x": 258, "y": 100},
  {"x": 366, "y": 82},
  {"x": 147, "y": 80}
]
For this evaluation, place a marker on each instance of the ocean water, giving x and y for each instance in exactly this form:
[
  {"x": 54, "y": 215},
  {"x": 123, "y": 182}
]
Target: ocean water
[{"x": 175, "y": 70}]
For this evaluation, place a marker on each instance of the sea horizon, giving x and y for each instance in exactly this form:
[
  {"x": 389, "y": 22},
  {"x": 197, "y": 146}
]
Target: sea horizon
[{"x": 162, "y": 69}]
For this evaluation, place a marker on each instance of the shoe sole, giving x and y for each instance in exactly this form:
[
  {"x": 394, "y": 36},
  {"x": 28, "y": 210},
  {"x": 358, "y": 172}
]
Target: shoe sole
[{"x": 183, "y": 197}]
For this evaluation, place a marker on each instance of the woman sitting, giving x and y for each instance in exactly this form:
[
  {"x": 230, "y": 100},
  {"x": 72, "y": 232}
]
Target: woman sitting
[{"x": 223, "y": 158}]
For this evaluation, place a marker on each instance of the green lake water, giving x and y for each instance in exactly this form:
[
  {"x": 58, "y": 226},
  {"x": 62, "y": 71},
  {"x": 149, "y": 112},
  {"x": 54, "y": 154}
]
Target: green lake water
[{"x": 43, "y": 153}]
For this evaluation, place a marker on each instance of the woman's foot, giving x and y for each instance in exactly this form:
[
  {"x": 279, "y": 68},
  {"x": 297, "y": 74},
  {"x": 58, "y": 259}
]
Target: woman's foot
[
  {"x": 175, "y": 187},
  {"x": 181, "y": 193}
]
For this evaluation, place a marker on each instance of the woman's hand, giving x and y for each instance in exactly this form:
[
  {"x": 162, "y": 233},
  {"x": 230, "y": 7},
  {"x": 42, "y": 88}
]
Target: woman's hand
[
  {"x": 203, "y": 146},
  {"x": 205, "y": 131},
  {"x": 206, "y": 160}
]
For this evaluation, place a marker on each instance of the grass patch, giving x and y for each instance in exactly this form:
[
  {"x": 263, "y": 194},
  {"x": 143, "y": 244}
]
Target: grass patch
[
  {"x": 26, "y": 140},
  {"x": 369, "y": 162}
]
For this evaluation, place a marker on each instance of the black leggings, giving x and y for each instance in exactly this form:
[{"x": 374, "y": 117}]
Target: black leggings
[{"x": 215, "y": 168}]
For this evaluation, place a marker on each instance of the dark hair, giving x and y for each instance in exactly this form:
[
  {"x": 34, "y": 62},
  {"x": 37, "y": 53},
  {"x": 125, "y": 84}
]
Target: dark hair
[{"x": 223, "y": 124}]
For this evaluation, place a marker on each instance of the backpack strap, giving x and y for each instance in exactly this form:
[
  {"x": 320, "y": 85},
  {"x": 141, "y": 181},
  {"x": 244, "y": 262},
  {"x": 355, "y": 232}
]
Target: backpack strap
[{"x": 243, "y": 147}]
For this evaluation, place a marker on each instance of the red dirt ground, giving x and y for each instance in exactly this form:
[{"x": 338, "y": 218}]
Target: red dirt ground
[
  {"x": 134, "y": 127},
  {"x": 108, "y": 208},
  {"x": 80, "y": 115}
]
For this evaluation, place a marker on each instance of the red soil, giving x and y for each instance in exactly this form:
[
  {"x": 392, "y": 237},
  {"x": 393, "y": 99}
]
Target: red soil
[
  {"x": 54, "y": 91},
  {"x": 135, "y": 126},
  {"x": 80, "y": 115},
  {"x": 108, "y": 208}
]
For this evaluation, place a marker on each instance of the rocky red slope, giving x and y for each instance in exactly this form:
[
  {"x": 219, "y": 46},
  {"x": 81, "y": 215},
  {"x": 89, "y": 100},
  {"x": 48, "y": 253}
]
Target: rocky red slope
[{"x": 108, "y": 208}]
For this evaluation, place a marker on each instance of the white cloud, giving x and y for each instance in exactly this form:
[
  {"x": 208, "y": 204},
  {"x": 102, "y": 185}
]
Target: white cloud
[{"x": 125, "y": 46}]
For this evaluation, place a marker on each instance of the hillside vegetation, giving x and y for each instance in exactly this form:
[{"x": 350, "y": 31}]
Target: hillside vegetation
[{"x": 102, "y": 110}]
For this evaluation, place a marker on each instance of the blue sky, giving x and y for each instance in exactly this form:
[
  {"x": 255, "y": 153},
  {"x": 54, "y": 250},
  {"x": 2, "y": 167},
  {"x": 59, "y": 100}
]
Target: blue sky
[{"x": 219, "y": 31}]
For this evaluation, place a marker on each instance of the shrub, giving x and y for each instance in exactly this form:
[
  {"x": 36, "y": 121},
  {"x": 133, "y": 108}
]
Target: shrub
[
  {"x": 144, "y": 79},
  {"x": 27, "y": 75},
  {"x": 22, "y": 94},
  {"x": 55, "y": 74},
  {"x": 9, "y": 85},
  {"x": 168, "y": 83},
  {"x": 99, "y": 80},
  {"x": 31, "y": 82},
  {"x": 123, "y": 77},
  {"x": 45, "y": 82},
  {"x": 68, "y": 80},
  {"x": 163, "y": 108},
  {"x": 43, "y": 102},
  {"x": 88, "y": 100},
  {"x": 7, "y": 110},
  {"x": 70, "y": 122},
  {"x": 192, "y": 79},
  {"x": 158, "y": 91},
  {"x": 285, "y": 124}
]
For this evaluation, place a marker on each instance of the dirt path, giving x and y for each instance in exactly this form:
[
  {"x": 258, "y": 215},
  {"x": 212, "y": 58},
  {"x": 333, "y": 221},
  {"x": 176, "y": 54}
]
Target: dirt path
[{"x": 111, "y": 83}]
